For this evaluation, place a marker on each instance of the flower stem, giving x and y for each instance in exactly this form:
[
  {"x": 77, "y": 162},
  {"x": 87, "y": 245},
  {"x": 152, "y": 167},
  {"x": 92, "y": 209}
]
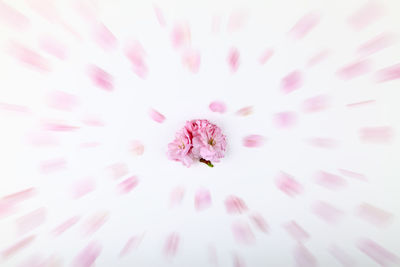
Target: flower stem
[{"x": 207, "y": 162}]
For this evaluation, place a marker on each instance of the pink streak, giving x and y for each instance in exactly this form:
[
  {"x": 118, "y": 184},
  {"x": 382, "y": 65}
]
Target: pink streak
[
  {"x": 128, "y": 185},
  {"x": 242, "y": 233},
  {"x": 287, "y": 184},
  {"x": 245, "y": 111},
  {"x": 233, "y": 59},
  {"x": 235, "y": 205},
  {"x": 303, "y": 257},
  {"x": 366, "y": 15},
  {"x": 13, "y": 17},
  {"x": 61, "y": 228},
  {"x": 53, "y": 47},
  {"x": 342, "y": 256},
  {"x": 18, "y": 246},
  {"x": 304, "y": 26},
  {"x": 354, "y": 70},
  {"x": 352, "y": 174},
  {"x": 31, "y": 220},
  {"x": 329, "y": 180},
  {"x": 202, "y": 199},
  {"x": 291, "y": 82},
  {"x": 375, "y": 44},
  {"x": 217, "y": 106},
  {"x": 101, "y": 78},
  {"x": 253, "y": 140},
  {"x": 383, "y": 134},
  {"x": 389, "y": 73},
  {"x": 87, "y": 257},
  {"x": 83, "y": 187},
  {"x": 62, "y": 100},
  {"x": 156, "y": 116},
  {"x": 259, "y": 221},
  {"x": 362, "y": 103},
  {"x": 171, "y": 244},
  {"x": 191, "y": 59},
  {"x": 285, "y": 119},
  {"x": 131, "y": 244},
  {"x": 104, "y": 37},
  {"x": 296, "y": 231},
  {"x": 29, "y": 57},
  {"x": 327, "y": 212},
  {"x": 53, "y": 165},
  {"x": 94, "y": 223},
  {"x": 265, "y": 56},
  {"x": 176, "y": 196},
  {"x": 374, "y": 215},
  {"x": 377, "y": 253},
  {"x": 315, "y": 104}
]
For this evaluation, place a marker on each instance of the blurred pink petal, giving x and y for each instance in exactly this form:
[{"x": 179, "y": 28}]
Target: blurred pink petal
[
  {"x": 291, "y": 82},
  {"x": 287, "y": 184},
  {"x": 136, "y": 55},
  {"x": 53, "y": 47},
  {"x": 242, "y": 233},
  {"x": 234, "y": 204},
  {"x": 19, "y": 245},
  {"x": 29, "y": 57},
  {"x": 159, "y": 15},
  {"x": 53, "y": 165},
  {"x": 367, "y": 14},
  {"x": 6, "y": 208},
  {"x": 128, "y": 185},
  {"x": 389, "y": 73},
  {"x": 94, "y": 223},
  {"x": 83, "y": 187},
  {"x": 171, "y": 244},
  {"x": 101, "y": 78},
  {"x": 285, "y": 119},
  {"x": 238, "y": 260},
  {"x": 362, "y": 103},
  {"x": 377, "y": 253},
  {"x": 13, "y": 17},
  {"x": 104, "y": 37},
  {"x": 315, "y": 103},
  {"x": 93, "y": 122},
  {"x": 156, "y": 116},
  {"x": 87, "y": 257},
  {"x": 137, "y": 148},
  {"x": 354, "y": 70},
  {"x": 233, "y": 59},
  {"x": 342, "y": 256},
  {"x": 118, "y": 170},
  {"x": 62, "y": 100},
  {"x": 64, "y": 226},
  {"x": 14, "y": 108},
  {"x": 322, "y": 142},
  {"x": 31, "y": 220},
  {"x": 259, "y": 221},
  {"x": 59, "y": 127},
  {"x": 191, "y": 59},
  {"x": 304, "y": 25},
  {"x": 318, "y": 57},
  {"x": 245, "y": 111},
  {"x": 303, "y": 257},
  {"x": 383, "y": 134},
  {"x": 216, "y": 24},
  {"x": 180, "y": 35},
  {"x": 217, "y": 106},
  {"x": 236, "y": 20},
  {"x": 327, "y": 212},
  {"x": 329, "y": 180},
  {"x": 352, "y": 174},
  {"x": 375, "y": 44},
  {"x": 374, "y": 215},
  {"x": 296, "y": 231},
  {"x": 45, "y": 8},
  {"x": 23, "y": 195},
  {"x": 176, "y": 196},
  {"x": 202, "y": 199},
  {"x": 132, "y": 243},
  {"x": 265, "y": 56},
  {"x": 253, "y": 140}
]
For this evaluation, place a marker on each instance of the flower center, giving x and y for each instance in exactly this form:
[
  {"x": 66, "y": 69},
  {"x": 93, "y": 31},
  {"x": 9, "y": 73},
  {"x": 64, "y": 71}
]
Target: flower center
[
  {"x": 182, "y": 146},
  {"x": 211, "y": 142}
]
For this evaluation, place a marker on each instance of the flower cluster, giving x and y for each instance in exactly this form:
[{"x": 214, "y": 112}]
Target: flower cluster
[{"x": 198, "y": 140}]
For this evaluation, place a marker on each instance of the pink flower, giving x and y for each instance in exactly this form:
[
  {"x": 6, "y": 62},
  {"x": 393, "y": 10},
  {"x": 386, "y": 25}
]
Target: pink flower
[{"x": 179, "y": 149}]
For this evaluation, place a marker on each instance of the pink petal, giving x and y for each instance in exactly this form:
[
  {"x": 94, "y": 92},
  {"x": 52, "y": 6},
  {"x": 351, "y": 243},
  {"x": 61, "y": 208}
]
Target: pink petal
[
  {"x": 137, "y": 148},
  {"x": 118, "y": 170},
  {"x": 329, "y": 180},
  {"x": 53, "y": 47},
  {"x": 13, "y": 17},
  {"x": 62, "y": 100},
  {"x": 377, "y": 253},
  {"x": 87, "y": 257},
  {"x": 128, "y": 185},
  {"x": 53, "y": 165},
  {"x": 14, "y": 108},
  {"x": 375, "y": 45},
  {"x": 238, "y": 260},
  {"x": 265, "y": 56},
  {"x": 303, "y": 257},
  {"x": 82, "y": 188},
  {"x": 180, "y": 35},
  {"x": 362, "y": 103},
  {"x": 104, "y": 37},
  {"x": 160, "y": 16},
  {"x": 253, "y": 140},
  {"x": 136, "y": 55},
  {"x": 93, "y": 122},
  {"x": 234, "y": 59},
  {"x": 383, "y": 134},
  {"x": 6, "y": 208},
  {"x": 132, "y": 243},
  {"x": 343, "y": 257},
  {"x": 322, "y": 142},
  {"x": 29, "y": 57},
  {"x": 287, "y": 184},
  {"x": 245, "y": 111},
  {"x": 352, "y": 174},
  {"x": 354, "y": 70},
  {"x": 101, "y": 78},
  {"x": 65, "y": 225},
  {"x": 389, "y": 73},
  {"x": 366, "y": 15},
  {"x": 31, "y": 220},
  {"x": 315, "y": 104},
  {"x": 94, "y": 223},
  {"x": 236, "y": 20},
  {"x": 291, "y": 82},
  {"x": 15, "y": 248},
  {"x": 191, "y": 60},
  {"x": 296, "y": 231},
  {"x": 259, "y": 222},
  {"x": 202, "y": 199},
  {"x": 156, "y": 116},
  {"x": 327, "y": 212},
  {"x": 23, "y": 195},
  {"x": 171, "y": 244},
  {"x": 285, "y": 119},
  {"x": 59, "y": 127},
  {"x": 217, "y": 106},
  {"x": 234, "y": 204},
  {"x": 176, "y": 196},
  {"x": 318, "y": 57},
  {"x": 304, "y": 25},
  {"x": 374, "y": 215},
  {"x": 242, "y": 233}
]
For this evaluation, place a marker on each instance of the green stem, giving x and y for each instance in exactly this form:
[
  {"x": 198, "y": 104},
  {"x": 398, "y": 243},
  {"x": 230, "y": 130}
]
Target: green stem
[{"x": 207, "y": 162}]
